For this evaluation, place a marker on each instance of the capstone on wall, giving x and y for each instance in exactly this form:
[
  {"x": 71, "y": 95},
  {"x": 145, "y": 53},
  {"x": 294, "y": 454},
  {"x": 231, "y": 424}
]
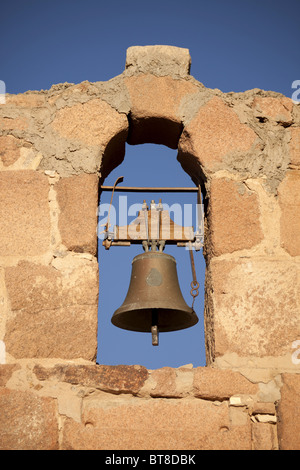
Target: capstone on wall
[{"x": 56, "y": 148}]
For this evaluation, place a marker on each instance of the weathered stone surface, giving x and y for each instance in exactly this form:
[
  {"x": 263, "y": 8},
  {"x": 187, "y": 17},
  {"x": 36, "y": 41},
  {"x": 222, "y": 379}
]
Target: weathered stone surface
[
  {"x": 26, "y": 100},
  {"x": 289, "y": 413},
  {"x": 157, "y": 424},
  {"x": 69, "y": 93},
  {"x": 263, "y": 408},
  {"x": 18, "y": 154},
  {"x": 92, "y": 123},
  {"x": 54, "y": 313},
  {"x": 165, "y": 379},
  {"x": 6, "y": 371},
  {"x": 264, "y": 436},
  {"x": 214, "y": 136},
  {"x": 216, "y": 384},
  {"x": 155, "y": 102},
  {"x": 13, "y": 123},
  {"x": 28, "y": 422},
  {"x": 234, "y": 217},
  {"x": 24, "y": 213},
  {"x": 275, "y": 109},
  {"x": 254, "y": 306},
  {"x": 115, "y": 379},
  {"x": 93, "y": 136},
  {"x": 159, "y": 60},
  {"x": 289, "y": 200},
  {"x": 9, "y": 150},
  {"x": 295, "y": 146},
  {"x": 77, "y": 197}
]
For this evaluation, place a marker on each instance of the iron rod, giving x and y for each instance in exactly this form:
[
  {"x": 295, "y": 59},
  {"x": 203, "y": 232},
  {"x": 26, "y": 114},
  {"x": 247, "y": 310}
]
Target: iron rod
[{"x": 147, "y": 189}]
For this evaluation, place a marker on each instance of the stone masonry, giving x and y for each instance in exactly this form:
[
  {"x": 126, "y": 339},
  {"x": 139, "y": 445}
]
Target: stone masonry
[{"x": 56, "y": 147}]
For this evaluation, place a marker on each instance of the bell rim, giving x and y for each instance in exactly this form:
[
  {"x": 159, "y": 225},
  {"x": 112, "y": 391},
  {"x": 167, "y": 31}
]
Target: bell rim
[{"x": 189, "y": 319}]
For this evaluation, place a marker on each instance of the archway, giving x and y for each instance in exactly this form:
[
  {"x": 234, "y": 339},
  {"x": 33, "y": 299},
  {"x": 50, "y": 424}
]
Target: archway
[{"x": 156, "y": 166}]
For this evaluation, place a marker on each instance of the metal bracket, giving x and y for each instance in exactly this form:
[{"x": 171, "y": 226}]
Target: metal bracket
[{"x": 111, "y": 238}]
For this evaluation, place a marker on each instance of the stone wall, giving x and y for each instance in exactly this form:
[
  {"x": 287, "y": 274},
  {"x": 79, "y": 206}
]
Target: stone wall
[{"x": 56, "y": 147}]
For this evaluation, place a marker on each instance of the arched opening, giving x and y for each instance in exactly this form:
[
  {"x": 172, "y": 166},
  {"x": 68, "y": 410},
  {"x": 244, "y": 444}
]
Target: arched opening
[{"x": 155, "y": 166}]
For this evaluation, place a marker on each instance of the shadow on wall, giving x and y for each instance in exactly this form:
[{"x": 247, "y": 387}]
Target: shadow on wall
[{"x": 155, "y": 166}]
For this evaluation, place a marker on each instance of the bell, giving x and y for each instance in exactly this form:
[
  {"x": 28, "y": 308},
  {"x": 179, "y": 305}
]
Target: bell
[{"x": 154, "y": 302}]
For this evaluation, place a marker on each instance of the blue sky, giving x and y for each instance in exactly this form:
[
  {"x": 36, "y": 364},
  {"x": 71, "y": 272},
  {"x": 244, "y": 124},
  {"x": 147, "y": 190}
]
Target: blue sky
[{"x": 234, "y": 45}]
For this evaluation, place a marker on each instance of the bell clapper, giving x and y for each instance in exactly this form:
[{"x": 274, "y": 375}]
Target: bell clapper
[
  {"x": 154, "y": 328},
  {"x": 154, "y": 332}
]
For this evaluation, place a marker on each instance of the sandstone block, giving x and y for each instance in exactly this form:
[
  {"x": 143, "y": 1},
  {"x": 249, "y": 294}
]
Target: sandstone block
[
  {"x": 24, "y": 213},
  {"x": 98, "y": 128},
  {"x": 28, "y": 422},
  {"x": 13, "y": 123},
  {"x": 215, "y": 384},
  {"x": 6, "y": 371},
  {"x": 254, "y": 306},
  {"x": 289, "y": 413},
  {"x": 214, "y": 136},
  {"x": 54, "y": 313},
  {"x": 157, "y": 424},
  {"x": 77, "y": 197},
  {"x": 234, "y": 217},
  {"x": 155, "y": 102},
  {"x": 275, "y": 109},
  {"x": 165, "y": 379},
  {"x": 264, "y": 436},
  {"x": 289, "y": 200},
  {"x": 263, "y": 408},
  {"x": 94, "y": 123},
  {"x": 295, "y": 146},
  {"x": 9, "y": 150},
  {"x": 114, "y": 379},
  {"x": 159, "y": 60}
]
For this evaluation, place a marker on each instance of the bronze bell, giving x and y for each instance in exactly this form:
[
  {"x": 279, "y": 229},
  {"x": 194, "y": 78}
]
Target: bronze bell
[{"x": 154, "y": 302}]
